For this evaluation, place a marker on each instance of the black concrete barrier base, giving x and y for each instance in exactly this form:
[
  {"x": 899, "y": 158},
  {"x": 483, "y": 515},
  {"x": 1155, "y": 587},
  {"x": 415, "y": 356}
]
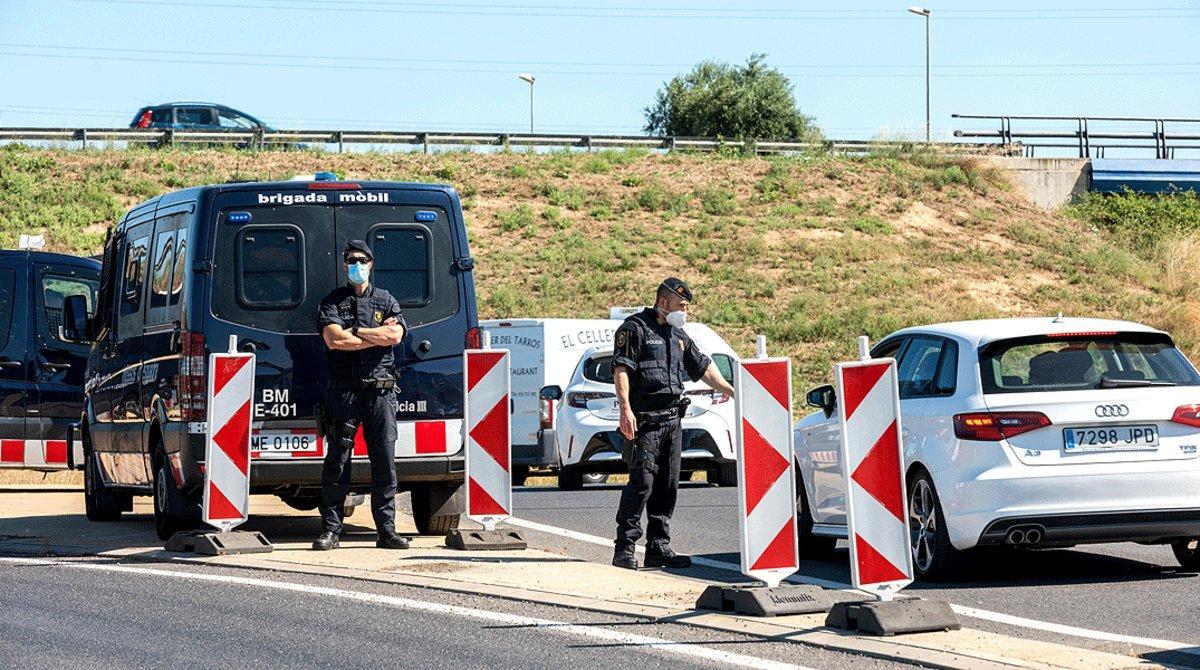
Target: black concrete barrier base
[
  {"x": 501, "y": 539},
  {"x": 765, "y": 601},
  {"x": 894, "y": 617},
  {"x": 213, "y": 543}
]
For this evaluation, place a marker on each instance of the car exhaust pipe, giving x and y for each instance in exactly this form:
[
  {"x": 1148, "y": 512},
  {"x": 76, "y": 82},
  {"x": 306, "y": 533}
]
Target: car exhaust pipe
[
  {"x": 1033, "y": 536},
  {"x": 1015, "y": 536},
  {"x": 1024, "y": 536}
]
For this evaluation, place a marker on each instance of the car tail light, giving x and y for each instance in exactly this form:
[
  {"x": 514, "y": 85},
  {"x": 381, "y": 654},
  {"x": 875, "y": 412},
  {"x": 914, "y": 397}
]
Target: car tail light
[
  {"x": 995, "y": 426},
  {"x": 193, "y": 402},
  {"x": 546, "y": 415},
  {"x": 1188, "y": 415},
  {"x": 717, "y": 396},
  {"x": 474, "y": 338},
  {"x": 144, "y": 120},
  {"x": 580, "y": 398}
]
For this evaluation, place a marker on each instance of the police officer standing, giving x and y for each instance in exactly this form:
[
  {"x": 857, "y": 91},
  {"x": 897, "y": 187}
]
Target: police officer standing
[
  {"x": 652, "y": 356},
  {"x": 360, "y": 324}
]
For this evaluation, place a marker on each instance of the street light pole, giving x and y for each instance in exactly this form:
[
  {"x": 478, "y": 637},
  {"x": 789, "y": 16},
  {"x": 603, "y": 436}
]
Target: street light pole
[
  {"x": 530, "y": 79},
  {"x": 921, "y": 11}
]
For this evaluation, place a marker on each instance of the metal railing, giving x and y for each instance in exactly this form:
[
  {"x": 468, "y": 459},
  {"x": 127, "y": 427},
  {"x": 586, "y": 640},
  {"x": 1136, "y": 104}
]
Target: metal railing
[
  {"x": 1116, "y": 132},
  {"x": 269, "y": 139}
]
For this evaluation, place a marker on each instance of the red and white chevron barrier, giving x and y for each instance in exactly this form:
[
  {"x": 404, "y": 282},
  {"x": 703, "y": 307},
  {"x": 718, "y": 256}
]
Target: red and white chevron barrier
[
  {"x": 36, "y": 454},
  {"x": 869, "y": 411},
  {"x": 227, "y": 450},
  {"x": 486, "y": 420},
  {"x": 766, "y": 480}
]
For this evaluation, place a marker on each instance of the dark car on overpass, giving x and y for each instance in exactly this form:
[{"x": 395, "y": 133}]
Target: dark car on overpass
[{"x": 195, "y": 116}]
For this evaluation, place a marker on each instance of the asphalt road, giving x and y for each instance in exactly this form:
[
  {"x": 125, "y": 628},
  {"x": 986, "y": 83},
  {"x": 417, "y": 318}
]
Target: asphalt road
[
  {"x": 93, "y": 613},
  {"x": 1118, "y": 588}
]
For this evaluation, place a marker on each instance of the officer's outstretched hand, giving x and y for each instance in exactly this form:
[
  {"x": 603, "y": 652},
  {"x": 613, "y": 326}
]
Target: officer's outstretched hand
[{"x": 628, "y": 423}]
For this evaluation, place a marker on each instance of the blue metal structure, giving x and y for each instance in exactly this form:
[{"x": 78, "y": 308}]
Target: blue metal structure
[{"x": 1145, "y": 175}]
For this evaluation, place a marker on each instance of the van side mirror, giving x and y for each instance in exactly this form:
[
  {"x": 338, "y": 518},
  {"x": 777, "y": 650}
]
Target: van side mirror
[
  {"x": 74, "y": 326},
  {"x": 823, "y": 397},
  {"x": 550, "y": 393}
]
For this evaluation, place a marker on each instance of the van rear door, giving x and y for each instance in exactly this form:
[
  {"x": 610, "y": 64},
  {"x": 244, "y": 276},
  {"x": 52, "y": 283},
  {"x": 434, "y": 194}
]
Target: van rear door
[{"x": 14, "y": 359}]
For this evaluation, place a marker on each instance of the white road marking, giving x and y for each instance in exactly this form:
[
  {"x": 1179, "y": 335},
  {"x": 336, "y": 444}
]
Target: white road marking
[
  {"x": 694, "y": 652},
  {"x": 973, "y": 612}
]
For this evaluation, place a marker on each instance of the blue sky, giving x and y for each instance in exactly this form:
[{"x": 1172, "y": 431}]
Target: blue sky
[{"x": 425, "y": 65}]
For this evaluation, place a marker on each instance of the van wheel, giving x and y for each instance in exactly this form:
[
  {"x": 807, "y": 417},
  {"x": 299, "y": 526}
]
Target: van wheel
[
  {"x": 723, "y": 475},
  {"x": 934, "y": 558},
  {"x": 520, "y": 473},
  {"x": 169, "y": 515},
  {"x": 818, "y": 547},
  {"x": 1187, "y": 552},
  {"x": 570, "y": 478},
  {"x": 99, "y": 503},
  {"x": 428, "y": 523}
]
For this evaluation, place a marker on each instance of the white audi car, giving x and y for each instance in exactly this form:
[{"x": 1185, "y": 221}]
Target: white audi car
[
  {"x": 583, "y": 418},
  {"x": 1026, "y": 433}
]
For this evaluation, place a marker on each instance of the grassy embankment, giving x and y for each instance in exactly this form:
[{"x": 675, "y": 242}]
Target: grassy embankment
[{"x": 809, "y": 251}]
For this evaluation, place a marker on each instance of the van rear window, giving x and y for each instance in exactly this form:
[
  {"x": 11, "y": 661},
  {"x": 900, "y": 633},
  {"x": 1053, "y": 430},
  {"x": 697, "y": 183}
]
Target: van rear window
[
  {"x": 270, "y": 267},
  {"x": 1081, "y": 362},
  {"x": 402, "y": 262}
]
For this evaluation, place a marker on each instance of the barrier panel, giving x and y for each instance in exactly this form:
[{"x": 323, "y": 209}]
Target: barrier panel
[
  {"x": 868, "y": 399},
  {"x": 487, "y": 408}
]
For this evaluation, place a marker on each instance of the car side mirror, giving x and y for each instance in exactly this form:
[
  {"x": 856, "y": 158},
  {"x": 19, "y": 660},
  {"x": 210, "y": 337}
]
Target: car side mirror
[
  {"x": 551, "y": 393},
  {"x": 74, "y": 326},
  {"x": 823, "y": 397}
]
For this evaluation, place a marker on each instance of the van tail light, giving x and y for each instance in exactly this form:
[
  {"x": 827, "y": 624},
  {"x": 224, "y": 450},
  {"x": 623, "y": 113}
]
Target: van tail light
[
  {"x": 546, "y": 414},
  {"x": 580, "y": 399},
  {"x": 193, "y": 382},
  {"x": 144, "y": 120},
  {"x": 996, "y": 426},
  {"x": 1188, "y": 415},
  {"x": 474, "y": 338}
]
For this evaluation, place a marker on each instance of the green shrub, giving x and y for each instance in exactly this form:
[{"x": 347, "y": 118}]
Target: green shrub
[
  {"x": 519, "y": 217},
  {"x": 716, "y": 200},
  {"x": 1142, "y": 219}
]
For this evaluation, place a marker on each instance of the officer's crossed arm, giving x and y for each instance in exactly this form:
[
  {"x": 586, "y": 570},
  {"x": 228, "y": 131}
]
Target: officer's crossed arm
[
  {"x": 341, "y": 339},
  {"x": 389, "y": 334}
]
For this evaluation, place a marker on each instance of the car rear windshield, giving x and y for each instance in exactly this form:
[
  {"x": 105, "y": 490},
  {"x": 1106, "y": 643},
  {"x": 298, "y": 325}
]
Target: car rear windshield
[{"x": 1075, "y": 362}]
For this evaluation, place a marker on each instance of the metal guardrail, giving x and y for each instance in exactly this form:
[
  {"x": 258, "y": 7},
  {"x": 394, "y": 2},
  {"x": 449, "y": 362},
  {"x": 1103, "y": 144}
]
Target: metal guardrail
[
  {"x": 268, "y": 139},
  {"x": 1084, "y": 138}
]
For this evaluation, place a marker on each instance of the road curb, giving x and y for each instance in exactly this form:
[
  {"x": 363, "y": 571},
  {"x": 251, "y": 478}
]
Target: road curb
[{"x": 797, "y": 630}]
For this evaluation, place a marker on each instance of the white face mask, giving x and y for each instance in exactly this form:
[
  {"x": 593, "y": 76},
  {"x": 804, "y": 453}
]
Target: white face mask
[{"x": 676, "y": 319}]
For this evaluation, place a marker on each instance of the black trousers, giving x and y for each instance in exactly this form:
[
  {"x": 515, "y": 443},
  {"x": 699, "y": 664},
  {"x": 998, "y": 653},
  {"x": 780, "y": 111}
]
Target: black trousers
[
  {"x": 345, "y": 410},
  {"x": 653, "y": 493}
]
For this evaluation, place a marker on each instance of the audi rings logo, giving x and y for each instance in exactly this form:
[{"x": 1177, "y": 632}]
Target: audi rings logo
[{"x": 1112, "y": 410}]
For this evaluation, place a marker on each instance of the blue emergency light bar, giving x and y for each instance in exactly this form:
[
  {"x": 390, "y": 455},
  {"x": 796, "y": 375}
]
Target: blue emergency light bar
[
  {"x": 239, "y": 217},
  {"x": 325, "y": 176},
  {"x": 424, "y": 215}
]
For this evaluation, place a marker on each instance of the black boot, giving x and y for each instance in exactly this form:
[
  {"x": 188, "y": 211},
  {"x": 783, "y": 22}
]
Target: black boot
[
  {"x": 666, "y": 558},
  {"x": 623, "y": 558},
  {"x": 391, "y": 541},
  {"x": 326, "y": 541}
]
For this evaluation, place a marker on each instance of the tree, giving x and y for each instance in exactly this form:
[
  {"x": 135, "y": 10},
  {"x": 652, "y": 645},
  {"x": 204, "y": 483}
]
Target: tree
[{"x": 719, "y": 99}]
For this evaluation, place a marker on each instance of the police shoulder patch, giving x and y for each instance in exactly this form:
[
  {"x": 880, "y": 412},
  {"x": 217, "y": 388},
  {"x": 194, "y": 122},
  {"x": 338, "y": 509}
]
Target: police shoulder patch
[{"x": 621, "y": 336}]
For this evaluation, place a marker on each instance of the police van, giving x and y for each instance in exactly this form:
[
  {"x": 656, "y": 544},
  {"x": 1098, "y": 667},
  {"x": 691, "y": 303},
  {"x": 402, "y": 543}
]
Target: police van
[
  {"x": 185, "y": 271},
  {"x": 41, "y": 373}
]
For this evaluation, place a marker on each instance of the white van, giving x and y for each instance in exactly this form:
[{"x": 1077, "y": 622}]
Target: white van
[{"x": 545, "y": 352}]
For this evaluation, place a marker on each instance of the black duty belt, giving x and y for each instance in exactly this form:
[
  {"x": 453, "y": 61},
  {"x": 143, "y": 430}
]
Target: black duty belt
[
  {"x": 675, "y": 411},
  {"x": 356, "y": 384}
]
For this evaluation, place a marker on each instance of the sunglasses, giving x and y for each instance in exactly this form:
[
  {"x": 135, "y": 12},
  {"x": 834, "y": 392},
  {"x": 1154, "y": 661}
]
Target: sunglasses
[{"x": 357, "y": 259}]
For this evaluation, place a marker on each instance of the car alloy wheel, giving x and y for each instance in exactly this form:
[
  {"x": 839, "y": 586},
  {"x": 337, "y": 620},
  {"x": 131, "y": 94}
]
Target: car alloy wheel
[{"x": 922, "y": 524}]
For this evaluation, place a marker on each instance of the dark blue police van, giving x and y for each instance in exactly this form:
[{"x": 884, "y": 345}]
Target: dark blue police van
[
  {"x": 41, "y": 373},
  {"x": 185, "y": 271}
]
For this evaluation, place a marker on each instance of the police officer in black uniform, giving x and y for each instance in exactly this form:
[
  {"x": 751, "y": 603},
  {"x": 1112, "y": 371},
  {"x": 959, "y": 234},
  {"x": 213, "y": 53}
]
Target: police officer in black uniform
[
  {"x": 652, "y": 356},
  {"x": 360, "y": 324}
]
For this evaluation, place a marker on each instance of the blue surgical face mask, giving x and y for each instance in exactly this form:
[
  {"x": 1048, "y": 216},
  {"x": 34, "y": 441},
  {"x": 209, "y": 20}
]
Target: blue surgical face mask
[{"x": 359, "y": 273}]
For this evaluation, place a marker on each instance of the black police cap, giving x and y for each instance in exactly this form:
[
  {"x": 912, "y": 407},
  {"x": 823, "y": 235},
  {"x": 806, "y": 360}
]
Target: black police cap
[
  {"x": 677, "y": 286},
  {"x": 358, "y": 245}
]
